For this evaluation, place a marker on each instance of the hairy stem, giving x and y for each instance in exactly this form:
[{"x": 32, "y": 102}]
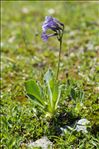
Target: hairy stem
[{"x": 59, "y": 57}]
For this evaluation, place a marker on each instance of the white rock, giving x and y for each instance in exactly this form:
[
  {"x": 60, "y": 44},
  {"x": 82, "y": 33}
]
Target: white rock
[
  {"x": 83, "y": 121},
  {"x": 44, "y": 143},
  {"x": 81, "y": 125}
]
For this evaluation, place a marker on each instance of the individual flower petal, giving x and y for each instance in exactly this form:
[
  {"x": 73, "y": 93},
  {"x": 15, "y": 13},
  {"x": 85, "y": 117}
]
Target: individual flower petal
[
  {"x": 51, "y": 23},
  {"x": 45, "y": 37},
  {"x": 45, "y": 27}
]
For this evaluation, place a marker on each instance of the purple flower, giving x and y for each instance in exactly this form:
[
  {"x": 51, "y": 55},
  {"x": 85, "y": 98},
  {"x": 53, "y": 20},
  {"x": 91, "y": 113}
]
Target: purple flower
[
  {"x": 52, "y": 24},
  {"x": 45, "y": 36}
]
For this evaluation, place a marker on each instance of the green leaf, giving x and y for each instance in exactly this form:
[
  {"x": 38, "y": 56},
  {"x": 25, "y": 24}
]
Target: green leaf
[
  {"x": 48, "y": 76},
  {"x": 55, "y": 92},
  {"x": 73, "y": 93},
  {"x": 36, "y": 102},
  {"x": 33, "y": 89},
  {"x": 49, "y": 79},
  {"x": 57, "y": 95}
]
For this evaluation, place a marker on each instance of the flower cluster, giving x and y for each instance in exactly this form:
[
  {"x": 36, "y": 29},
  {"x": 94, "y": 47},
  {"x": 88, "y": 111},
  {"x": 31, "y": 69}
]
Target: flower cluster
[{"x": 54, "y": 25}]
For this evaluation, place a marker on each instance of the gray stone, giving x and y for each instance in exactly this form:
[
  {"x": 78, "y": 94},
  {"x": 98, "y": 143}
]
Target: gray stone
[
  {"x": 44, "y": 143},
  {"x": 82, "y": 125}
]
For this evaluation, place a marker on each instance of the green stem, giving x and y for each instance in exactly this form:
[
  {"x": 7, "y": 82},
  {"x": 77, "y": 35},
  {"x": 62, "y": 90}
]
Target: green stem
[
  {"x": 59, "y": 58},
  {"x": 60, "y": 49}
]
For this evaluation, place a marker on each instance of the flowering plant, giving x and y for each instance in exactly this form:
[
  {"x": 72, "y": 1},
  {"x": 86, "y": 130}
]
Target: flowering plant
[
  {"x": 58, "y": 29},
  {"x": 47, "y": 99}
]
